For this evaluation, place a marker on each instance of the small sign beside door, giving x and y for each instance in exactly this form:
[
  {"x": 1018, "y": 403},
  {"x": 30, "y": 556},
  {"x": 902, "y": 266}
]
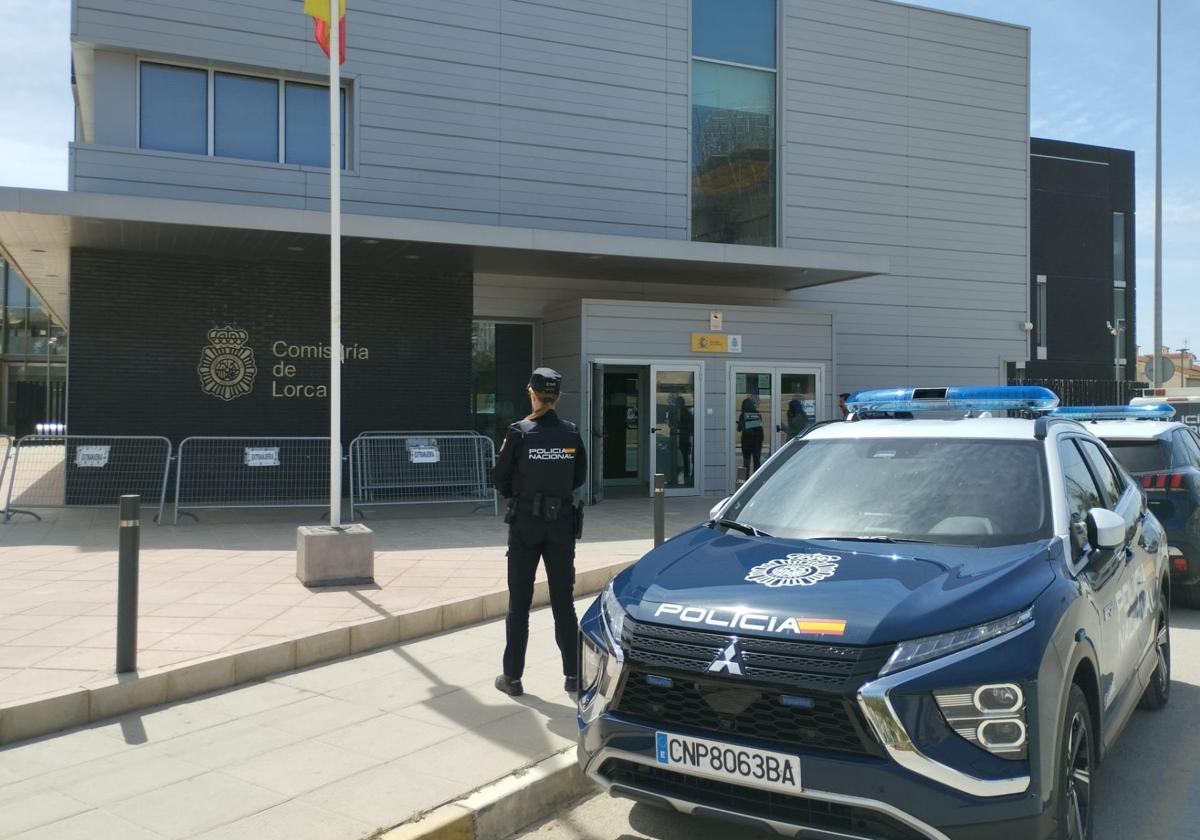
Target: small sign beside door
[{"x": 716, "y": 343}]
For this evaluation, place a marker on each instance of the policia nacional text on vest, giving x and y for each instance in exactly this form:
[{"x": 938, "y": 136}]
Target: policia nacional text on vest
[{"x": 541, "y": 464}]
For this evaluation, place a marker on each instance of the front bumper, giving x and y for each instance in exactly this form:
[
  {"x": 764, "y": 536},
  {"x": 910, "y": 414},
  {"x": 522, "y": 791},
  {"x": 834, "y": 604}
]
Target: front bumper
[{"x": 900, "y": 794}]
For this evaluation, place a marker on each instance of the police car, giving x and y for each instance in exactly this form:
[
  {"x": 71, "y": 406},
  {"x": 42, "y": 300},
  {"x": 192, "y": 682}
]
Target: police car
[
  {"x": 1164, "y": 455},
  {"x": 897, "y": 628}
]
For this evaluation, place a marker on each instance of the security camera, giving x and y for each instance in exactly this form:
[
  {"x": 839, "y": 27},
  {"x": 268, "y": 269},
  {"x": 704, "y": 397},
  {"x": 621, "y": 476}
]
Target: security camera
[{"x": 1027, "y": 326}]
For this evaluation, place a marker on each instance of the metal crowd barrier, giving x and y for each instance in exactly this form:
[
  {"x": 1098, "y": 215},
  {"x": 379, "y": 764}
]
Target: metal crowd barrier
[
  {"x": 62, "y": 471},
  {"x": 251, "y": 472},
  {"x": 412, "y": 468}
]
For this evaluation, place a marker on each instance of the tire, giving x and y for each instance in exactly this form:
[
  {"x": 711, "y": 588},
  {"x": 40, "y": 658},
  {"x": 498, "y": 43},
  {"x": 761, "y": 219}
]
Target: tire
[
  {"x": 1073, "y": 771},
  {"x": 1188, "y": 596},
  {"x": 1158, "y": 692}
]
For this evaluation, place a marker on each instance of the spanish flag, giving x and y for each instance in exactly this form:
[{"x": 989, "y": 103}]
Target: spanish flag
[{"x": 319, "y": 10}]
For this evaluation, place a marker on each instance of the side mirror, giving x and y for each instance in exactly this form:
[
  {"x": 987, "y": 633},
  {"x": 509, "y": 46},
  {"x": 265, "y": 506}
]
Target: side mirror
[
  {"x": 718, "y": 507},
  {"x": 1105, "y": 529}
]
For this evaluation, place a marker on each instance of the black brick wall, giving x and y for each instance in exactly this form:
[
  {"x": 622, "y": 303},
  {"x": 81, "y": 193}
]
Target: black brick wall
[{"x": 139, "y": 323}]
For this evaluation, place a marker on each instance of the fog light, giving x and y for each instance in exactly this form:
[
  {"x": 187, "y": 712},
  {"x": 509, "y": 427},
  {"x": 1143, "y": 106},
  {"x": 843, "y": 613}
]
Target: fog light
[
  {"x": 991, "y": 699},
  {"x": 1003, "y": 734},
  {"x": 590, "y": 661}
]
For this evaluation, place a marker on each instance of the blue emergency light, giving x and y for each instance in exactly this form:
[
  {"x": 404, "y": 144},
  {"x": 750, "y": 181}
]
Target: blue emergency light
[
  {"x": 955, "y": 398},
  {"x": 1146, "y": 411}
]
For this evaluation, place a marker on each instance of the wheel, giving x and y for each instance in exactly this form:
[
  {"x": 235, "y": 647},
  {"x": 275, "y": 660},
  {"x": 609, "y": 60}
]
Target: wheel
[
  {"x": 1159, "y": 691},
  {"x": 1188, "y": 596},
  {"x": 1076, "y": 760}
]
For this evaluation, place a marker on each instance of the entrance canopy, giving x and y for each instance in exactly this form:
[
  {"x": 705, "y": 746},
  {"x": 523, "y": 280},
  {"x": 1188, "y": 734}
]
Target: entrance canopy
[{"x": 38, "y": 228}]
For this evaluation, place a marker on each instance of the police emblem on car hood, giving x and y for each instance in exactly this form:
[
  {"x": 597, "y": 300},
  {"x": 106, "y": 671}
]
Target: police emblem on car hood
[{"x": 795, "y": 570}]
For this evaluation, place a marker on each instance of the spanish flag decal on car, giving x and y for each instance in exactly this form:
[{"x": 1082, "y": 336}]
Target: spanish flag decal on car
[{"x": 822, "y": 626}]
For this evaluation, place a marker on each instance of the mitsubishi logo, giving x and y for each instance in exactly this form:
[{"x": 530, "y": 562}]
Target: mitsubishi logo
[{"x": 728, "y": 660}]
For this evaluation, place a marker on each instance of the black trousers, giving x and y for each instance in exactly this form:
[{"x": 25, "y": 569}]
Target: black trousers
[{"x": 532, "y": 539}]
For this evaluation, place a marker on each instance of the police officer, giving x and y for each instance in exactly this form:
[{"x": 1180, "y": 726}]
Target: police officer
[{"x": 541, "y": 464}]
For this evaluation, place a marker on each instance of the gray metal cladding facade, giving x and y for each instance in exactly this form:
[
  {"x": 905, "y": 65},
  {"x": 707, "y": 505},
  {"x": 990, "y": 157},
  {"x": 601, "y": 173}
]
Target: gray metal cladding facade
[{"x": 905, "y": 133}]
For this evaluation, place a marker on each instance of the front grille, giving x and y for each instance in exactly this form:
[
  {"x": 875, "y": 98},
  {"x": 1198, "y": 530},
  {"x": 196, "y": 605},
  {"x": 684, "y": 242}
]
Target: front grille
[
  {"x": 730, "y": 708},
  {"x": 764, "y": 804},
  {"x": 824, "y": 667}
]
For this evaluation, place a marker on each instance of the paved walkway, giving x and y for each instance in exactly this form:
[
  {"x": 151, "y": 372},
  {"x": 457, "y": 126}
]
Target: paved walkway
[
  {"x": 333, "y": 752},
  {"x": 228, "y": 582}
]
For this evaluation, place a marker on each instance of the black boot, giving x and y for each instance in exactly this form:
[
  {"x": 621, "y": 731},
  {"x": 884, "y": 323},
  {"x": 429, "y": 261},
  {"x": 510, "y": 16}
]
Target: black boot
[
  {"x": 509, "y": 686},
  {"x": 571, "y": 685}
]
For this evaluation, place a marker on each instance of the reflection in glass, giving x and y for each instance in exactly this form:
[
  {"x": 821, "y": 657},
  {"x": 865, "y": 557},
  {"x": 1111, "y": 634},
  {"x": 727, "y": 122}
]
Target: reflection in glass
[
  {"x": 798, "y": 393},
  {"x": 18, "y": 295},
  {"x": 245, "y": 117},
  {"x": 741, "y": 31},
  {"x": 174, "y": 109},
  {"x": 622, "y": 426},
  {"x": 16, "y": 333},
  {"x": 306, "y": 130},
  {"x": 733, "y": 155},
  {"x": 754, "y": 411},
  {"x": 501, "y": 359},
  {"x": 675, "y": 430}
]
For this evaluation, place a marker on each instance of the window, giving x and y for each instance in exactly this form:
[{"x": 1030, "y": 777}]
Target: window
[
  {"x": 1139, "y": 456},
  {"x": 306, "y": 116},
  {"x": 244, "y": 111},
  {"x": 1041, "y": 315},
  {"x": 246, "y": 117},
  {"x": 501, "y": 359},
  {"x": 734, "y": 133},
  {"x": 1119, "y": 285},
  {"x": 174, "y": 109},
  {"x": 947, "y": 491},
  {"x": 1111, "y": 484},
  {"x": 1082, "y": 493},
  {"x": 1181, "y": 453}
]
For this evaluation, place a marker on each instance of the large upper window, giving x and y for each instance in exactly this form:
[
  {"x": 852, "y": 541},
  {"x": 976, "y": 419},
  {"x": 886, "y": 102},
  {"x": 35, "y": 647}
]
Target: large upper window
[
  {"x": 734, "y": 154},
  {"x": 244, "y": 112}
]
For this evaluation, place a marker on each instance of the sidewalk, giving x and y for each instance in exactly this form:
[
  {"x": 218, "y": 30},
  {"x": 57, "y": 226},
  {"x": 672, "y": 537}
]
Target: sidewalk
[
  {"x": 228, "y": 583},
  {"x": 334, "y": 752}
]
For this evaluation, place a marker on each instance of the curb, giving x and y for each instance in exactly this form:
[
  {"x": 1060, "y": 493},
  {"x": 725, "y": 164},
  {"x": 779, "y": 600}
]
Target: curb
[
  {"x": 504, "y": 807},
  {"x": 121, "y": 694}
]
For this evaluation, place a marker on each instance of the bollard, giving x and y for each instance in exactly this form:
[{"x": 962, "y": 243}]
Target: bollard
[
  {"x": 660, "y": 497},
  {"x": 127, "y": 584}
]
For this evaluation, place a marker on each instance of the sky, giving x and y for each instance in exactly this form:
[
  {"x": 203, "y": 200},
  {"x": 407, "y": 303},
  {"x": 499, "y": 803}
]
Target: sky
[{"x": 1092, "y": 73}]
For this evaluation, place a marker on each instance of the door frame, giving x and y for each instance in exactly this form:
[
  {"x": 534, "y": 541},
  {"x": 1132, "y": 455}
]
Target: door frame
[
  {"x": 589, "y": 364},
  {"x": 777, "y": 370},
  {"x": 695, "y": 367}
]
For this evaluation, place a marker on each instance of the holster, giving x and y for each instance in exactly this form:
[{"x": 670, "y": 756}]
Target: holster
[
  {"x": 510, "y": 512},
  {"x": 578, "y": 520},
  {"x": 551, "y": 506}
]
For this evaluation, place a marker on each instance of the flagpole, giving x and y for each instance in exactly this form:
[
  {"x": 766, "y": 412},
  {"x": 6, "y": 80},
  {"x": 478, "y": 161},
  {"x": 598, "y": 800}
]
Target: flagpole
[
  {"x": 335, "y": 267},
  {"x": 1157, "y": 378}
]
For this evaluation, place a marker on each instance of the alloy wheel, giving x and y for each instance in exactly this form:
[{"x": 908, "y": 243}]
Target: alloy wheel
[{"x": 1079, "y": 778}]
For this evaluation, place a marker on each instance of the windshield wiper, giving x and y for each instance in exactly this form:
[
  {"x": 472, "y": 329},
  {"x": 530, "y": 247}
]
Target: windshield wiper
[
  {"x": 880, "y": 539},
  {"x": 748, "y": 530}
]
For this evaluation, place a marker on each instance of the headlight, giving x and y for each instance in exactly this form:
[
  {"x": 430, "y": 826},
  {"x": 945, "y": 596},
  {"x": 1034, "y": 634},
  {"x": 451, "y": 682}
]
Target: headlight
[
  {"x": 591, "y": 658},
  {"x": 916, "y": 651},
  {"x": 614, "y": 616},
  {"x": 989, "y": 716}
]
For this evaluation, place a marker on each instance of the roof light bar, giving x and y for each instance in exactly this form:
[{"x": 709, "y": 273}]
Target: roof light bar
[
  {"x": 1144, "y": 411},
  {"x": 955, "y": 398}
]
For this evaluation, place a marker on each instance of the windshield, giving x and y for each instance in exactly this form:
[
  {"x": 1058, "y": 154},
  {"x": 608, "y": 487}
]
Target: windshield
[
  {"x": 1139, "y": 456},
  {"x": 948, "y": 491}
]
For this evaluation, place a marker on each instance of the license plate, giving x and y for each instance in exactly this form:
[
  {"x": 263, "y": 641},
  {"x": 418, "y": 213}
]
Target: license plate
[{"x": 745, "y": 765}]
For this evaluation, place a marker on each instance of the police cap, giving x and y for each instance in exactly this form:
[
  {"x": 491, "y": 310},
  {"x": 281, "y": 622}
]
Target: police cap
[{"x": 546, "y": 381}]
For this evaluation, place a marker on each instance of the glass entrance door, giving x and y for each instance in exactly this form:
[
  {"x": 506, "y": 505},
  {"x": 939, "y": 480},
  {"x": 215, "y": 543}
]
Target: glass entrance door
[
  {"x": 769, "y": 405},
  {"x": 673, "y": 439}
]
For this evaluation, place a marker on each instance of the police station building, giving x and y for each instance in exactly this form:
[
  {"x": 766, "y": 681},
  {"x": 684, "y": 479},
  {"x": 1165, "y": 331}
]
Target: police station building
[{"x": 681, "y": 205}]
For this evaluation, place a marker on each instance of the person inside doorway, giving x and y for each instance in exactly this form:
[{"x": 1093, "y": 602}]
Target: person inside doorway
[
  {"x": 750, "y": 424},
  {"x": 842, "y": 403},
  {"x": 797, "y": 418},
  {"x": 683, "y": 428}
]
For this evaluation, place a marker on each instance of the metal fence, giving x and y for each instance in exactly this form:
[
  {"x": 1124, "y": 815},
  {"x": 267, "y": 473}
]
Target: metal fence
[
  {"x": 406, "y": 468},
  {"x": 251, "y": 472},
  {"x": 58, "y": 471},
  {"x": 1088, "y": 391}
]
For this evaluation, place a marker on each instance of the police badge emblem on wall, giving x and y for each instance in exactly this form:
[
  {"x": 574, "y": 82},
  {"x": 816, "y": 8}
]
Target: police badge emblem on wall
[
  {"x": 795, "y": 570},
  {"x": 227, "y": 368}
]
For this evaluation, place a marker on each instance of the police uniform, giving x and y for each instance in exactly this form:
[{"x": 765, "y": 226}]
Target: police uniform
[{"x": 541, "y": 464}]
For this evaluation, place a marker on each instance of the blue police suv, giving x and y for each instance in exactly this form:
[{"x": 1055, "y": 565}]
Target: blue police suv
[{"x": 906, "y": 625}]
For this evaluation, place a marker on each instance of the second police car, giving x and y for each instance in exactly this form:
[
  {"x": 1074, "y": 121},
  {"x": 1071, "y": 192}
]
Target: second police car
[
  {"x": 1162, "y": 453},
  {"x": 897, "y": 628}
]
